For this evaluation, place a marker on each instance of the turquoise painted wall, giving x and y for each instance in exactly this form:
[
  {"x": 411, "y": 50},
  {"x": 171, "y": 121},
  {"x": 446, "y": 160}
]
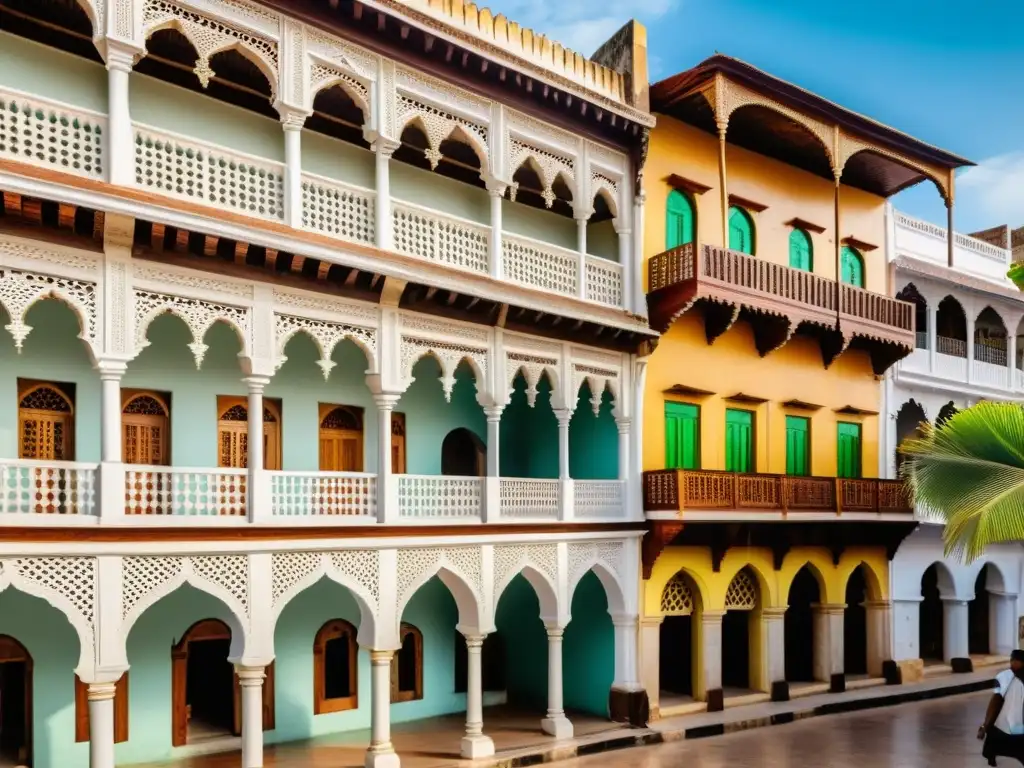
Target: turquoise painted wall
[
  {"x": 149, "y": 654},
  {"x": 428, "y": 418},
  {"x": 589, "y": 650},
  {"x": 526, "y": 645},
  {"x": 593, "y": 440},
  {"x": 53, "y": 645},
  {"x": 529, "y": 436},
  {"x": 39, "y": 69},
  {"x": 52, "y": 352},
  {"x": 162, "y": 105}
]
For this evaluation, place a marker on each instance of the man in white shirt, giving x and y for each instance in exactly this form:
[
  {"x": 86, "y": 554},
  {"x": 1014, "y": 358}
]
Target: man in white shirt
[{"x": 1003, "y": 729}]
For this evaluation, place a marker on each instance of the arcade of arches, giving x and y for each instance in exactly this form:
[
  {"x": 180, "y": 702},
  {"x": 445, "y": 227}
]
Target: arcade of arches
[{"x": 749, "y": 630}]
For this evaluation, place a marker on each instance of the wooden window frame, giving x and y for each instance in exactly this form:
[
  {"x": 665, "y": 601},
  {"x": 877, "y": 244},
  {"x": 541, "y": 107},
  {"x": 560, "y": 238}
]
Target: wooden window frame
[
  {"x": 332, "y": 630},
  {"x": 272, "y": 457},
  {"x": 669, "y": 417},
  {"x": 398, "y": 418},
  {"x": 398, "y": 696},
  {"x": 325, "y": 410},
  {"x": 25, "y": 388},
  {"x": 162, "y": 399},
  {"x": 120, "y": 710}
]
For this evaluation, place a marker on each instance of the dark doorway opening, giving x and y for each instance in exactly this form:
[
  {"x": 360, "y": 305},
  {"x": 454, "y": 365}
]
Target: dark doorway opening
[
  {"x": 855, "y": 625},
  {"x": 15, "y": 703},
  {"x": 930, "y": 622},
  {"x": 675, "y": 662},
  {"x": 799, "y": 627},
  {"x": 736, "y": 649},
  {"x": 978, "y": 618},
  {"x": 463, "y": 454},
  {"x": 209, "y": 690}
]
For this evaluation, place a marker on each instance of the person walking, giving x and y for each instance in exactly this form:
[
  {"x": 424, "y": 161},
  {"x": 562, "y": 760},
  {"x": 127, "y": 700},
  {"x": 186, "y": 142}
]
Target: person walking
[{"x": 1003, "y": 729}]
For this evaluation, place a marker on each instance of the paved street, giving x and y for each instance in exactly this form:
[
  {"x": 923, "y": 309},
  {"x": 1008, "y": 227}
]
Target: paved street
[{"x": 935, "y": 734}]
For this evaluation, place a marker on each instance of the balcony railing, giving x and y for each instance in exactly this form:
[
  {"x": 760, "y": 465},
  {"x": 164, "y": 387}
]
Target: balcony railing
[
  {"x": 48, "y": 488},
  {"x": 185, "y": 492},
  {"x": 348, "y": 495},
  {"x": 682, "y": 275},
  {"x": 707, "y": 490}
]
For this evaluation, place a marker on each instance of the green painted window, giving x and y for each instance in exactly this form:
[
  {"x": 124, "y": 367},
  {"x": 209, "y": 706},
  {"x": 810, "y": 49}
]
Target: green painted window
[
  {"x": 800, "y": 252},
  {"x": 852, "y": 266},
  {"x": 739, "y": 441},
  {"x": 849, "y": 449},
  {"x": 798, "y": 445},
  {"x": 741, "y": 231},
  {"x": 682, "y": 436},
  {"x": 679, "y": 221}
]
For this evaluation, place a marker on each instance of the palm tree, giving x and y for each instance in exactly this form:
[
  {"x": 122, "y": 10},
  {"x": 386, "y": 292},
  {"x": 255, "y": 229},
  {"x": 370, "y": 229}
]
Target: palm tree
[{"x": 970, "y": 472}]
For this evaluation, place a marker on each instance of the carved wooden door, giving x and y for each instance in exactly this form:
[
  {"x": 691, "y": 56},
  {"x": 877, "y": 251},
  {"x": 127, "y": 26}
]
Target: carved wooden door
[
  {"x": 46, "y": 431},
  {"x": 341, "y": 439},
  {"x": 398, "y": 443}
]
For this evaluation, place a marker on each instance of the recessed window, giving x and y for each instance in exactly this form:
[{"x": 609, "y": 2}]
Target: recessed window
[
  {"x": 335, "y": 668},
  {"x": 407, "y": 666}
]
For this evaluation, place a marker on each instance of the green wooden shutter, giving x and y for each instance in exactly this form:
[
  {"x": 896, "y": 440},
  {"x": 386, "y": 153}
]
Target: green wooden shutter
[
  {"x": 682, "y": 436},
  {"x": 800, "y": 250},
  {"x": 798, "y": 444},
  {"x": 739, "y": 441},
  {"x": 741, "y": 231},
  {"x": 679, "y": 220},
  {"x": 852, "y": 267},
  {"x": 848, "y": 436}
]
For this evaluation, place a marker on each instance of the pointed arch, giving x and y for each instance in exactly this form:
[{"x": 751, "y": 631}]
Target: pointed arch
[
  {"x": 93, "y": 14},
  {"x": 801, "y": 250},
  {"x": 680, "y": 219},
  {"x": 613, "y": 589},
  {"x": 873, "y": 578},
  {"x": 470, "y": 606},
  {"x": 367, "y": 630},
  {"x": 25, "y": 290},
  {"x": 533, "y": 374},
  {"x": 352, "y": 87},
  {"x": 543, "y": 587},
  {"x": 327, "y": 337},
  {"x": 197, "y": 315},
  {"x": 742, "y": 234},
  {"x": 946, "y": 581},
  {"x": 852, "y": 266},
  {"x": 602, "y": 189},
  {"x": 766, "y": 592}
]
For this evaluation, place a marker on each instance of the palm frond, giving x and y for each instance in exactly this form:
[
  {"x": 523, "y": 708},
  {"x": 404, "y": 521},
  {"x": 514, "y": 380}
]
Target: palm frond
[{"x": 970, "y": 471}]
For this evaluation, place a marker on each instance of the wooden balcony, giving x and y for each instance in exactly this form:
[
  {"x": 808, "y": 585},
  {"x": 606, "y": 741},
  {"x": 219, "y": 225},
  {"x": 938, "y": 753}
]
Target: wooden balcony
[
  {"x": 680, "y": 490},
  {"x": 778, "y": 301}
]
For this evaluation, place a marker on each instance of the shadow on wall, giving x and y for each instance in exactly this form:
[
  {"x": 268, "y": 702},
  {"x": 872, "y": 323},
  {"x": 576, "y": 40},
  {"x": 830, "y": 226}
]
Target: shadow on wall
[
  {"x": 526, "y": 645},
  {"x": 589, "y": 649}
]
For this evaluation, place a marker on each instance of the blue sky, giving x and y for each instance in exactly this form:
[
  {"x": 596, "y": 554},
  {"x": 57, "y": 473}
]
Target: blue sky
[{"x": 951, "y": 74}]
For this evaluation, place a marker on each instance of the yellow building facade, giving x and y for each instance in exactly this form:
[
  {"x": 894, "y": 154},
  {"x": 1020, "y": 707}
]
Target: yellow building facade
[{"x": 767, "y": 557}]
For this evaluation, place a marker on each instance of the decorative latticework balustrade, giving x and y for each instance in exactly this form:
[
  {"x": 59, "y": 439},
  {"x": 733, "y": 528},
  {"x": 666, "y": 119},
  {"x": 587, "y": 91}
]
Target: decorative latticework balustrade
[
  {"x": 186, "y": 168},
  {"x": 337, "y": 209},
  {"x": 316, "y": 494},
  {"x": 599, "y": 499},
  {"x": 540, "y": 265},
  {"x": 436, "y": 236},
  {"x": 423, "y": 497},
  {"x": 529, "y": 498},
  {"x": 47, "y": 488},
  {"x": 186, "y": 492},
  {"x": 604, "y": 281},
  {"x": 51, "y": 135},
  {"x": 680, "y": 490}
]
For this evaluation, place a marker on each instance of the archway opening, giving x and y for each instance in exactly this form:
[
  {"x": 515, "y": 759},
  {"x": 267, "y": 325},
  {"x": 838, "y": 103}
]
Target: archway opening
[
  {"x": 463, "y": 454},
  {"x": 951, "y": 328},
  {"x": 205, "y": 706},
  {"x": 911, "y": 294},
  {"x": 978, "y": 617},
  {"x": 517, "y": 661},
  {"x": 990, "y": 338},
  {"x": 855, "y": 624},
  {"x": 909, "y": 425},
  {"x": 16, "y": 698},
  {"x": 930, "y": 621},
  {"x": 424, "y": 667},
  {"x": 740, "y": 632},
  {"x": 679, "y": 640},
  {"x": 588, "y": 662},
  {"x": 529, "y": 434},
  {"x": 804, "y": 594}
]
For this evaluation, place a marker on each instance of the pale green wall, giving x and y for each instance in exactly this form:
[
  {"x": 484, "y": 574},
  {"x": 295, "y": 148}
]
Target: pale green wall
[
  {"x": 529, "y": 436},
  {"x": 526, "y": 645},
  {"x": 53, "y": 645},
  {"x": 337, "y": 159},
  {"x": 593, "y": 440},
  {"x": 39, "y": 69},
  {"x": 149, "y": 683},
  {"x": 432, "y": 190},
  {"x": 589, "y": 650},
  {"x": 162, "y": 105},
  {"x": 603, "y": 241},
  {"x": 545, "y": 226}
]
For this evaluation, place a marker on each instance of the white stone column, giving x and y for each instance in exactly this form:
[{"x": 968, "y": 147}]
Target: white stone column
[
  {"x": 555, "y": 723},
  {"x": 581, "y": 246},
  {"x": 475, "y": 744},
  {"x": 970, "y": 345},
  {"x": 120, "y": 147},
  {"x": 828, "y": 641},
  {"x": 954, "y": 629},
  {"x": 639, "y": 304},
  {"x": 387, "y": 483},
  {"x": 933, "y": 334},
  {"x": 624, "y": 426},
  {"x": 257, "y": 498},
  {"x": 711, "y": 657},
  {"x": 774, "y": 626},
  {"x": 383, "y": 149},
  {"x": 627, "y": 263},
  {"x": 381, "y": 753},
  {"x": 1002, "y": 623},
  {"x": 495, "y": 256},
  {"x": 101, "y": 724},
  {"x": 1011, "y": 359},
  {"x": 493, "y": 415},
  {"x": 111, "y": 373},
  {"x": 878, "y": 618},
  {"x": 250, "y": 680},
  {"x": 567, "y": 497},
  {"x": 292, "y": 123}
]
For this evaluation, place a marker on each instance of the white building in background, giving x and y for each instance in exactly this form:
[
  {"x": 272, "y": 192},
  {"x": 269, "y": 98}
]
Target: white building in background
[
  {"x": 969, "y": 325},
  {"x": 388, "y": 238}
]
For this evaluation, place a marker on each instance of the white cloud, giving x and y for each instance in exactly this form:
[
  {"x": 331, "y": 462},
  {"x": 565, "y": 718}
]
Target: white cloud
[
  {"x": 581, "y": 25},
  {"x": 993, "y": 190}
]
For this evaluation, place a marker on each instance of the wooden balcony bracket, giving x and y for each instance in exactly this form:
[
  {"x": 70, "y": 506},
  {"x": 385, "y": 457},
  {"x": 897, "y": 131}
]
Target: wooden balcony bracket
[{"x": 659, "y": 535}]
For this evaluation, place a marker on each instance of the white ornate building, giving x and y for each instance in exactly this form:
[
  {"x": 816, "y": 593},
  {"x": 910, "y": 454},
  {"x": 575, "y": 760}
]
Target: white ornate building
[
  {"x": 968, "y": 349},
  {"x": 395, "y": 237}
]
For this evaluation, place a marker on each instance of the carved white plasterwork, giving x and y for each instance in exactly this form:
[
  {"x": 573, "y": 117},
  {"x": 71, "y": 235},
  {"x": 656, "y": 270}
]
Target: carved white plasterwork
[
  {"x": 20, "y": 290},
  {"x": 323, "y": 76},
  {"x": 510, "y": 560},
  {"x": 357, "y": 570},
  {"x": 448, "y": 355},
  {"x": 426, "y": 326},
  {"x": 533, "y": 368},
  {"x": 440, "y": 92},
  {"x": 548, "y": 166},
  {"x": 210, "y": 36},
  {"x": 417, "y": 566},
  {"x": 66, "y": 583},
  {"x": 597, "y": 379},
  {"x": 335, "y": 51},
  {"x": 584, "y": 556},
  {"x": 197, "y": 314},
  {"x": 326, "y": 335},
  {"x": 327, "y": 308},
  {"x": 195, "y": 281},
  {"x": 438, "y": 125}
]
